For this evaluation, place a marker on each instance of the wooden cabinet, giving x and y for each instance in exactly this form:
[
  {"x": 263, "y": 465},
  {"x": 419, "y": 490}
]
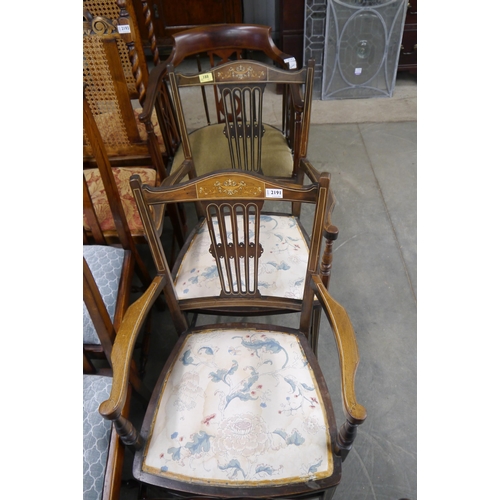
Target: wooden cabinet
[
  {"x": 170, "y": 16},
  {"x": 291, "y": 18},
  {"x": 408, "y": 54}
]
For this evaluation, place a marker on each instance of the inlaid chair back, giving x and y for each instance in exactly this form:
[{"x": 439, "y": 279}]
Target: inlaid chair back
[
  {"x": 222, "y": 43},
  {"x": 115, "y": 74},
  {"x": 285, "y": 142},
  {"x": 250, "y": 143},
  {"x": 236, "y": 258},
  {"x": 240, "y": 409},
  {"x": 235, "y": 245}
]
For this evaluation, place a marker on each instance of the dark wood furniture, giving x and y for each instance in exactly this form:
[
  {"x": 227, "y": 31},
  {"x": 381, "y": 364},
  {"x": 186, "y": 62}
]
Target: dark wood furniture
[
  {"x": 169, "y": 17},
  {"x": 240, "y": 409},
  {"x": 208, "y": 146},
  {"x": 291, "y": 20},
  {"x": 408, "y": 54},
  {"x": 291, "y": 248},
  {"x": 240, "y": 138}
]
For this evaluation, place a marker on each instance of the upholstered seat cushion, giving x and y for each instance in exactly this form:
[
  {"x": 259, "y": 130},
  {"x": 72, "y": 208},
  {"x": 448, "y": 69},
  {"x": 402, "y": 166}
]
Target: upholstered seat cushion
[
  {"x": 113, "y": 131},
  {"x": 282, "y": 265},
  {"x": 211, "y": 152},
  {"x": 106, "y": 265},
  {"x": 100, "y": 201},
  {"x": 96, "y": 435},
  {"x": 240, "y": 407}
]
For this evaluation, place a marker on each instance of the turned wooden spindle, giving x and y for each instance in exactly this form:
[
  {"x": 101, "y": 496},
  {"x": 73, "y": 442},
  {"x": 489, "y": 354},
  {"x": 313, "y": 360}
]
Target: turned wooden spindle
[
  {"x": 151, "y": 34},
  {"x": 327, "y": 257},
  {"x": 128, "y": 433},
  {"x": 345, "y": 439},
  {"x": 129, "y": 39}
]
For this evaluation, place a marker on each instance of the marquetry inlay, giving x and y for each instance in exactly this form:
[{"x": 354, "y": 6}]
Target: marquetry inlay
[
  {"x": 241, "y": 72},
  {"x": 229, "y": 187}
]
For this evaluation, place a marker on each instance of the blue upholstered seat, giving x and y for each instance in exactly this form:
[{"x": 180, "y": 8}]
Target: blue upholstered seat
[
  {"x": 106, "y": 265},
  {"x": 96, "y": 435}
]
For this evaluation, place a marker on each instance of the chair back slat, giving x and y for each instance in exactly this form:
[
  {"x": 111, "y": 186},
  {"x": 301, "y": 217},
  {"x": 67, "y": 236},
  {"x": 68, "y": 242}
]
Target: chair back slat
[{"x": 232, "y": 204}]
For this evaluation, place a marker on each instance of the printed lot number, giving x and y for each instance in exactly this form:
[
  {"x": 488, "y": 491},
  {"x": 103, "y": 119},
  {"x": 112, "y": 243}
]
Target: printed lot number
[
  {"x": 274, "y": 193},
  {"x": 123, "y": 28}
]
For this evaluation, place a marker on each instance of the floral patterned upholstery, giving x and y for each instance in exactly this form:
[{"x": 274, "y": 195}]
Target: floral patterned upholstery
[
  {"x": 96, "y": 435},
  {"x": 282, "y": 265},
  {"x": 240, "y": 407},
  {"x": 106, "y": 265},
  {"x": 100, "y": 201}
]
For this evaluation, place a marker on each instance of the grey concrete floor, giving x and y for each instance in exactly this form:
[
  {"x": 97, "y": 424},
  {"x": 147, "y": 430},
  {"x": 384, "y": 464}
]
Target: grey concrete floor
[{"x": 373, "y": 166}]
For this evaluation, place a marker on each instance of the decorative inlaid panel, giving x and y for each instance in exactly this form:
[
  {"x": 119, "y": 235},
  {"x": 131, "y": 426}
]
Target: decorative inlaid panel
[{"x": 230, "y": 187}]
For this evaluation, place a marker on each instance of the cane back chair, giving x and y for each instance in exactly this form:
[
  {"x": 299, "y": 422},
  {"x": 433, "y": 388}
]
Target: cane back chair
[
  {"x": 240, "y": 409},
  {"x": 115, "y": 74},
  {"x": 283, "y": 147},
  {"x": 110, "y": 214}
]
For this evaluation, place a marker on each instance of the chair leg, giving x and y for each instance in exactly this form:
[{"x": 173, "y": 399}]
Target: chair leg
[{"x": 145, "y": 346}]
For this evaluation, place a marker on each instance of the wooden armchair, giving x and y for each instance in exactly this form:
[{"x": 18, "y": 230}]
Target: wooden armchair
[
  {"x": 115, "y": 74},
  {"x": 240, "y": 409},
  {"x": 281, "y": 150},
  {"x": 292, "y": 248}
]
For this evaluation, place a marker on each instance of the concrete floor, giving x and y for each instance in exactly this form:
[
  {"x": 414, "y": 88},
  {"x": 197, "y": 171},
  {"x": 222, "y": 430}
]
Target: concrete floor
[{"x": 369, "y": 147}]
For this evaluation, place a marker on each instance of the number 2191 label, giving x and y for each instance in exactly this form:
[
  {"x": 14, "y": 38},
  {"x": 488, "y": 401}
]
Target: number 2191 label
[{"x": 274, "y": 193}]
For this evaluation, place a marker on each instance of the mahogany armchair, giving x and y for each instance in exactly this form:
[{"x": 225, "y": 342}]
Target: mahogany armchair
[
  {"x": 281, "y": 149},
  {"x": 240, "y": 409}
]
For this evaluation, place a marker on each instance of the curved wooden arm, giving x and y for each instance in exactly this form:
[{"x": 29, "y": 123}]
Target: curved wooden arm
[
  {"x": 187, "y": 167},
  {"x": 123, "y": 348},
  {"x": 154, "y": 82},
  {"x": 330, "y": 231},
  {"x": 347, "y": 348}
]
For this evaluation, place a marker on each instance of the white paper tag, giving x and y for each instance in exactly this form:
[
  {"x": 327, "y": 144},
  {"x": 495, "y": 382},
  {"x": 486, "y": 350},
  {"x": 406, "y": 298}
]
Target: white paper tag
[
  {"x": 358, "y": 71},
  {"x": 274, "y": 193},
  {"x": 292, "y": 63},
  {"x": 123, "y": 28}
]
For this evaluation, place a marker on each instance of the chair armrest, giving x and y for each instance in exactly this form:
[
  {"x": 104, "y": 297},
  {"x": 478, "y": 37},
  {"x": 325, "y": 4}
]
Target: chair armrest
[
  {"x": 347, "y": 349},
  {"x": 330, "y": 231},
  {"x": 154, "y": 84},
  {"x": 186, "y": 168},
  {"x": 123, "y": 348}
]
